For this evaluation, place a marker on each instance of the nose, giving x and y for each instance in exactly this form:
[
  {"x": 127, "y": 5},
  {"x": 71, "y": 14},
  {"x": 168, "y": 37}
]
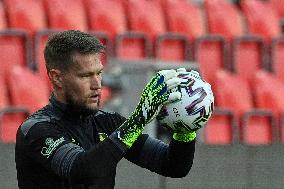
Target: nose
[{"x": 96, "y": 82}]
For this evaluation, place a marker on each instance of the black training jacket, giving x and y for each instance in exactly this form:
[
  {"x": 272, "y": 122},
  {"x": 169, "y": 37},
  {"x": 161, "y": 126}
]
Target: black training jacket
[{"x": 59, "y": 149}]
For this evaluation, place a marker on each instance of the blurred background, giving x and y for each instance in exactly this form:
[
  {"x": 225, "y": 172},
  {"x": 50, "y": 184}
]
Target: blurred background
[{"x": 237, "y": 46}]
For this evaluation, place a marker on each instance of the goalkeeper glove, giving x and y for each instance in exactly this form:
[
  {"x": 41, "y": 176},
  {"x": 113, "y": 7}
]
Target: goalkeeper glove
[{"x": 155, "y": 94}]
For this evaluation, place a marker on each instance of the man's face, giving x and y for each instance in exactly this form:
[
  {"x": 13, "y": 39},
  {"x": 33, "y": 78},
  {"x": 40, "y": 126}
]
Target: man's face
[{"x": 82, "y": 82}]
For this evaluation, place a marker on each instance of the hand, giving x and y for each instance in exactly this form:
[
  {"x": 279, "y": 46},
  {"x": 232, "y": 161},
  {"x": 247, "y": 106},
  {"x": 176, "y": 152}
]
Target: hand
[{"x": 156, "y": 93}]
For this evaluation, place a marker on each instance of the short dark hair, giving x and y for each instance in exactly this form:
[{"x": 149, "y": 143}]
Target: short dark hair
[{"x": 61, "y": 46}]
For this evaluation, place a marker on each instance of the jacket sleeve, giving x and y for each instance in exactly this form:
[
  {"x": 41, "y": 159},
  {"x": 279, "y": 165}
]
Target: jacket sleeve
[
  {"x": 56, "y": 152},
  {"x": 170, "y": 160}
]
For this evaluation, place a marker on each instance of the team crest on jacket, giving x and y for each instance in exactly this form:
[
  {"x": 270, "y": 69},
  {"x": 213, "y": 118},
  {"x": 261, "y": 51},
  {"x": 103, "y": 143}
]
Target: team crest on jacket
[
  {"x": 102, "y": 136},
  {"x": 51, "y": 146}
]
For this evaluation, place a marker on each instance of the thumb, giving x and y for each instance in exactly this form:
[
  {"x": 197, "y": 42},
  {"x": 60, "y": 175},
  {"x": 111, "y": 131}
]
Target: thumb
[{"x": 172, "y": 97}]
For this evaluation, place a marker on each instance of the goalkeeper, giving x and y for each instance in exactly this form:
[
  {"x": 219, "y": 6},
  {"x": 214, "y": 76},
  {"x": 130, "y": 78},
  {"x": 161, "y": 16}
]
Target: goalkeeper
[{"x": 71, "y": 143}]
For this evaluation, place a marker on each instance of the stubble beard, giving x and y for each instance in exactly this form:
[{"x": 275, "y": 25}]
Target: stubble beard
[{"x": 78, "y": 106}]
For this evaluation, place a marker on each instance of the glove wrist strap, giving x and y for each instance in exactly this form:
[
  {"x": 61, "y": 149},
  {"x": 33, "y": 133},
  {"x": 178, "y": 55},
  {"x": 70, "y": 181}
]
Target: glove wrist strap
[{"x": 184, "y": 137}]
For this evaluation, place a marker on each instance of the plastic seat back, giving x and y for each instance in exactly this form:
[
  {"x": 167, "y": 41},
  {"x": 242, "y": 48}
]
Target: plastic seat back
[
  {"x": 277, "y": 58},
  {"x": 146, "y": 17},
  {"x": 101, "y": 19},
  {"x": 220, "y": 129},
  {"x": 210, "y": 54},
  {"x": 132, "y": 46},
  {"x": 224, "y": 18},
  {"x": 66, "y": 14},
  {"x": 14, "y": 49},
  {"x": 172, "y": 47},
  {"x": 248, "y": 56},
  {"x": 3, "y": 21},
  {"x": 9, "y": 123},
  {"x": 258, "y": 129},
  {"x": 22, "y": 94},
  {"x": 185, "y": 18},
  {"x": 262, "y": 18},
  {"x": 269, "y": 92},
  {"x": 233, "y": 93},
  {"x": 28, "y": 15},
  {"x": 4, "y": 100}
]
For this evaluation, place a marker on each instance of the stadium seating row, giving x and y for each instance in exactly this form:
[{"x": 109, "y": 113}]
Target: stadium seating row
[
  {"x": 231, "y": 45},
  {"x": 251, "y": 114},
  {"x": 151, "y": 17}
]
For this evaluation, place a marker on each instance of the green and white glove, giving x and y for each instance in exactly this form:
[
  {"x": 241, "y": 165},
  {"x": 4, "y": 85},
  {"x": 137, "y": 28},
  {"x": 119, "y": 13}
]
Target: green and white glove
[{"x": 155, "y": 94}]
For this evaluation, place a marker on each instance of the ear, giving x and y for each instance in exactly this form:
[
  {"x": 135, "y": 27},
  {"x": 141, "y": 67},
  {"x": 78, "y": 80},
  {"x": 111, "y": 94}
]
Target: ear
[{"x": 55, "y": 77}]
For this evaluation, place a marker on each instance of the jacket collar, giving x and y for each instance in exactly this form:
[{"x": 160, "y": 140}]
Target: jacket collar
[{"x": 66, "y": 111}]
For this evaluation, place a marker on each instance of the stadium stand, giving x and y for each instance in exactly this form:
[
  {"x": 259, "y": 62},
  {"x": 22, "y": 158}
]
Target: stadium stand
[
  {"x": 278, "y": 6},
  {"x": 146, "y": 17},
  {"x": 101, "y": 19},
  {"x": 172, "y": 47},
  {"x": 221, "y": 128},
  {"x": 277, "y": 57},
  {"x": 210, "y": 54},
  {"x": 230, "y": 88},
  {"x": 33, "y": 98},
  {"x": 185, "y": 17},
  {"x": 28, "y": 15},
  {"x": 4, "y": 100},
  {"x": 66, "y": 14},
  {"x": 262, "y": 19},
  {"x": 132, "y": 46},
  {"x": 16, "y": 42},
  {"x": 248, "y": 53},
  {"x": 258, "y": 128},
  {"x": 3, "y": 21},
  {"x": 269, "y": 92},
  {"x": 224, "y": 18},
  {"x": 10, "y": 119}
]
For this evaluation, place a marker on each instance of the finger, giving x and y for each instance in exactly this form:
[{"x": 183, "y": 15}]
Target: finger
[
  {"x": 181, "y": 70},
  {"x": 168, "y": 74},
  {"x": 174, "y": 82},
  {"x": 172, "y": 97}
]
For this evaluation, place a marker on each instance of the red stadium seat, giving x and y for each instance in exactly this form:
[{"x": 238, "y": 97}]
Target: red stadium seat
[
  {"x": 171, "y": 47},
  {"x": 269, "y": 92},
  {"x": 224, "y": 18},
  {"x": 15, "y": 48},
  {"x": 220, "y": 129},
  {"x": 185, "y": 18},
  {"x": 66, "y": 14},
  {"x": 28, "y": 15},
  {"x": 10, "y": 120},
  {"x": 101, "y": 19},
  {"x": 105, "y": 95},
  {"x": 262, "y": 19},
  {"x": 146, "y": 17},
  {"x": 278, "y": 6},
  {"x": 3, "y": 21},
  {"x": 258, "y": 128},
  {"x": 229, "y": 89},
  {"x": 132, "y": 46},
  {"x": 248, "y": 56},
  {"x": 22, "y": 94},
  {"x": 210, "y": 54},
  {"x": 4, "y": 100},
  {"x": 277, "y": 57}
]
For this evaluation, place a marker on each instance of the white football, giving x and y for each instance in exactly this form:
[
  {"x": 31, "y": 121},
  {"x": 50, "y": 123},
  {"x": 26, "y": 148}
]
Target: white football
[{"x": 194, "y": 108}]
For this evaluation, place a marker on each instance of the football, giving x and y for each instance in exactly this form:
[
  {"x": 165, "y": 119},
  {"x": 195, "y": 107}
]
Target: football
[{"x": 194, "y": 108}]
